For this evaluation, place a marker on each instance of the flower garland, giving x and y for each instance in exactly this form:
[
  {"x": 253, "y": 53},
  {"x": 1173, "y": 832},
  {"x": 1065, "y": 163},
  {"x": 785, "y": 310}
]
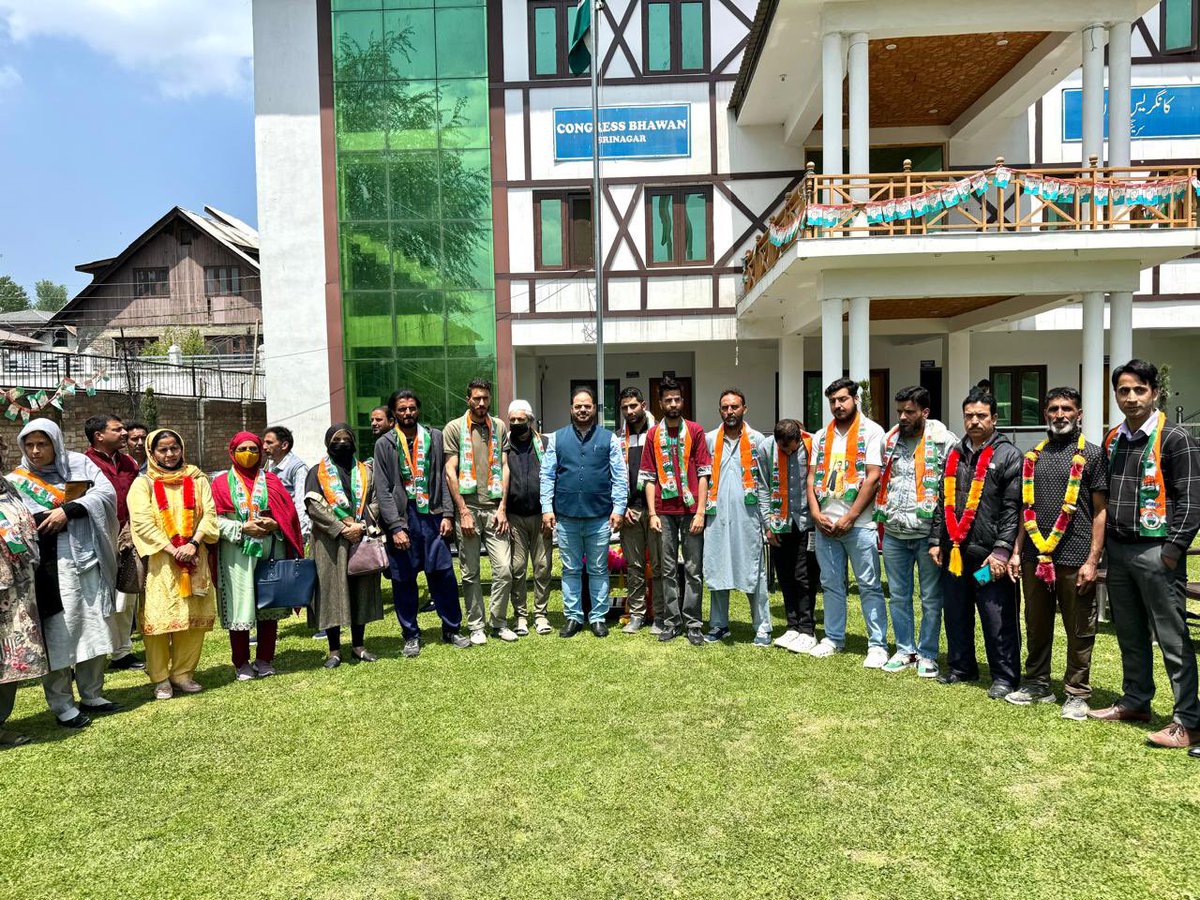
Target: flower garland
[
  {"x": 957, "y": 528},
  {"x": 40, "y": 399},
  {"x": 179, "y": 533},
  {"x": 1046, "y": 546}
]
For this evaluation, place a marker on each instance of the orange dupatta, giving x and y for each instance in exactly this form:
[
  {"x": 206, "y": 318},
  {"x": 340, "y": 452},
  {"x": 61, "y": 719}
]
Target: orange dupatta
[{"x": 751, "y": 496}]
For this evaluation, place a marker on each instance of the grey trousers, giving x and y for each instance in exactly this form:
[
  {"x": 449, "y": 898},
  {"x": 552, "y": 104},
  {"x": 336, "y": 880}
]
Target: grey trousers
[
  {"x": 60, "y": 696},
  {"x": 676, "y": 536},
  {"x": 8, "y": 696},
  {"x": 121, "y": 623},
  {"x": 636, "y": 539},
  {"x": 499, "y": 555},
  {"x": 1143, "y": 593},
  {"x": 529, "y": 542}
]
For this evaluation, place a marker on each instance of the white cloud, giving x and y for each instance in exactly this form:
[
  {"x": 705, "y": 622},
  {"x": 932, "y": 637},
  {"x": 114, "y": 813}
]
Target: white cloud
[
  {"x": 9, "y": 78},
  {"x": 187, "y": 48}
]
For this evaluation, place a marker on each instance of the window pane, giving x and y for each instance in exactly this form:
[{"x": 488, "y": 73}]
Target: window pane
[
  {"x": 467, "y": 255},
  {"x": 1031, "y": 398},
  {"x": 1002, "y": 388},
  {"x": 461, "y": 43},
  {"x": 358, "y": 46},
  {"x": 695, "y": 224},
  {"x": 365, "y": 257},
  {"x": 410, "y": 43},
  {"x": 691, "y": 35},
  {"x": 551, "y": 218},
  {"x": 413, "y": 193},
  {"x": 662, "y": 222},
  {"x": 583, "y": 249},
  {"x": 463, "y": 113},
  {"x": 470, "y": 323},
  {"x": 420, "y": 324},
  {"x": 658, "y": 37},
  {"x": 410, "y": 109},
  {"x": 367, "y": 321},
  {"x": 416, "y": 254},
  {"x": 361, "y": 109},
  {"x": 363, "y": 193},
  {"x": 1178, "y": 17},
  {"x": 545, "y": 40},
  {"x": 466, "y": 184}
]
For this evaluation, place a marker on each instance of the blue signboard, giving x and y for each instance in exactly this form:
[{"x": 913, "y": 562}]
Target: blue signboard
[
  {"x": 626, "y": 132},
  {"x": 1155, "y": 113}
]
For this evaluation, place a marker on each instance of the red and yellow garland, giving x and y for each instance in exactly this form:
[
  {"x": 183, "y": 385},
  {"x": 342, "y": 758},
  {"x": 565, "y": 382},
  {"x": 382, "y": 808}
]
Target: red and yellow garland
[
  {"x": 1046, "y": 546},
  {"x": 179, "y": 533},
  {"x": 957, "y": 528}
]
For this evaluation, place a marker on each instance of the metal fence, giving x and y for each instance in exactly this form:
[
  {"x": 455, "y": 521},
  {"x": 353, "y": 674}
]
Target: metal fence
[{"x": 46, "y": 370}]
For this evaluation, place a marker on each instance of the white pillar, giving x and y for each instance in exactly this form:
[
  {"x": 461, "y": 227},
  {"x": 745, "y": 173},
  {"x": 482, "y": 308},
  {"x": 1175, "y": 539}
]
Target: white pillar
[
  {"x": 1120, "y": 328},
  {"x": 860, "y": 115},
  {"x": 1119, "y": 86},
  {"x": 832, "y": 73},
  {"x": 860, "y": 338},
  {"x": 957, "y": 365},
  {"x": 1092, "y": 387},
  {"x": 1093, "y": 92},
  {"x": 791, "y": 377},
  {"x": 831, "y": 349}
]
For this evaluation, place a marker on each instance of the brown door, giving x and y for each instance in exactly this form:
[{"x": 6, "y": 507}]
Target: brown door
[
  {"x": 881, "y": 399},
  {"x": 686, "y": 384}
]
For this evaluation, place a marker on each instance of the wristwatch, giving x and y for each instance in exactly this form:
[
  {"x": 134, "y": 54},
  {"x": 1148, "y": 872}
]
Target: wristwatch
[{"x": 195, "y": 543}]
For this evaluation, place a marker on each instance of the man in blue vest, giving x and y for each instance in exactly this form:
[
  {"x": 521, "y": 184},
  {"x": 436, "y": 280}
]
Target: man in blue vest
[{"x": 584, "y": 493}]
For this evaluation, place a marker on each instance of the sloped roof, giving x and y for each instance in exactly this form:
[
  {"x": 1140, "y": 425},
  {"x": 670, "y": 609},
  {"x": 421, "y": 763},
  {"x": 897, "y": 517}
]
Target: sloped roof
[{"x": 26, "y": 317}]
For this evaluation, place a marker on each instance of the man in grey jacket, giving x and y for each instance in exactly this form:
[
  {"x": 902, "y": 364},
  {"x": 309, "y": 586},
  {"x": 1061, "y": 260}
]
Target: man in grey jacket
[{"x": 414, "y": 506}]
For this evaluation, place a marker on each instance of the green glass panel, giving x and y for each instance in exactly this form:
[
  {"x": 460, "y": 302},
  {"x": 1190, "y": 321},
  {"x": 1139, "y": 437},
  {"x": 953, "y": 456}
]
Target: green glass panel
[
  {"x": 662, "y": 226},
  {"x": 369, "y": 383},
  {"x": 658, "y": 37},
  {"x": 1031, "y": 399},
  {"x": 339, "y": 5},
  {"x": 367, "y": 323},
  {"x": 467, "y": 254},
  {"x": 444, "y": 3},
  {"x": 550, "y": 214},
  {"x": 410, "y": 43},
  {"x": 426, "y": 377},
  {"x": 461, "y": 43},
  {"x": 466, "y": 185},
  {"x": 695, "y": 224},
  {"x": 459, "y": 373},
  {"x": 416, "y": 255},
  {"x": 413, "y": 191},
  {"x": 470, "y": 323},
  {"x": 691, "y": 36},
  {"x": 360, "y": 116},
  {"x": 545, "y": 40},
  {"x": 365, "y": 257},
  {"x": 1002, "y": 391},
  {"x": 410, "y": 111},
  {"x": 1178, "y": 20},
  {"x": 463, "y": 113},
  {"x": 407, "y": 4},
  {"x": 363, "y": 192},
  {"x": 420, "y": 324},
  {"x": 358, "y": 53}
]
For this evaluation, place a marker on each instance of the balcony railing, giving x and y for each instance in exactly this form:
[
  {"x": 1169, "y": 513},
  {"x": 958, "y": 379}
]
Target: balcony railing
[{"x": 999, "y": 200}]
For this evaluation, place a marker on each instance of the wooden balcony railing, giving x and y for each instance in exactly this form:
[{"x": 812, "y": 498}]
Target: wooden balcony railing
[{"x": 998, "y": 200}]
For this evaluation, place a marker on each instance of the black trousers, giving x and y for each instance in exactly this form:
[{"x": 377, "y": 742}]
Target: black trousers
[
  {"x": 998, "y": 606},
  {"x": 790, "y": 561}
]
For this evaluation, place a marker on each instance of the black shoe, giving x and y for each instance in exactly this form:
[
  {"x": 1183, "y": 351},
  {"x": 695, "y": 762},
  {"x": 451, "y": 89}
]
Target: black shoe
[
  {"x": 999, "y": 690},
  {"x": 127, "y": 662},
  {"x": 570, "y": 629},
  {"x": 332, "y": 661},
  {"x": 954, "y": 678},
  {"x": 1195, "y": 751},
  {"x": 599, "y": 629},
  {"x": 695, "y": 637},
  {"x": 669, "y": 634},
  {"x": 453, "y": 637},
  {"x": 106, "y": 707},
  {"x": 428, "y": 607},
  {"x": 80, "y": 721},
  {"x": 412, "y": 647}
]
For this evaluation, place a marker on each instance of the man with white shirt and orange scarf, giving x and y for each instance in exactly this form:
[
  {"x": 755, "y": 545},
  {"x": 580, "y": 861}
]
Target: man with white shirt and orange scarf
[{"x": 847, "y": 456}]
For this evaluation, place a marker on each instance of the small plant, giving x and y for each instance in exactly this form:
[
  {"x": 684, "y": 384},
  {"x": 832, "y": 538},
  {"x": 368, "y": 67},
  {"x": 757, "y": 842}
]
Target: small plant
[
  {"x": 148, "y": 408},
  {"x": 189, "y": 340},
  {"x": 864, "y": 398},
  {"x": 1164, "y": 387}
]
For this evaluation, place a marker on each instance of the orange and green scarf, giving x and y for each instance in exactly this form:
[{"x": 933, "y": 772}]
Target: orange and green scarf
[
  {"x": 1152, "y": 496},
  {"x": 468, "y": 483},
  {"x": 747, "y": 459},
  {"x": 843, "y": 483}
]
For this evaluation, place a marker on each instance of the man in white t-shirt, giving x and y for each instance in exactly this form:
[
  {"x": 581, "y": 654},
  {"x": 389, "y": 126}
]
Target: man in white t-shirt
[{"x": 842, "y": 482}]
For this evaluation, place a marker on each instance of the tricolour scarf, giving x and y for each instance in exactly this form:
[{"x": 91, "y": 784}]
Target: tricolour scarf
[
  {"x": 1152, "y": 495},
  {"x": 468, "y": 483},
  {"x": 746, "y": 456}
]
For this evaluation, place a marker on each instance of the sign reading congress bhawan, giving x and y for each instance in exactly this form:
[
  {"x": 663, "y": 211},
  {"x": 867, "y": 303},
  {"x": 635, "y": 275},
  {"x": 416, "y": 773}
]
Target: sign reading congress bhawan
[{"x": 626, "y": 132}]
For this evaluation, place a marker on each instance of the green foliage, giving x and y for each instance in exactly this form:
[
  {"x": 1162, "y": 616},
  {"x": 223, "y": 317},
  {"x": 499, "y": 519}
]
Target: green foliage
[
  {"x": 1164, "y": 388},
  {"x": 865, "y": 400},
  {"x": 148, "y": 408},
  {"x": 51, "y": 296},
  {"x": 13, "y": 297},
  {"x": 190, "y": 341}
]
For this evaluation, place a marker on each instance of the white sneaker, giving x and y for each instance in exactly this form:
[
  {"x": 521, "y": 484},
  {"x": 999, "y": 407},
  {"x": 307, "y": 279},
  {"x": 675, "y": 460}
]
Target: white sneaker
[
  {"x": 478, "y": 638},
  {"x": 825, "y": 648},
  {"x": 785, "y": 640},
  {"x": 803, "y": 643},
  {"x": 522, "y": 628},
  {"x": 877, "y": 658},
  {"x": 505, "y": 634}
]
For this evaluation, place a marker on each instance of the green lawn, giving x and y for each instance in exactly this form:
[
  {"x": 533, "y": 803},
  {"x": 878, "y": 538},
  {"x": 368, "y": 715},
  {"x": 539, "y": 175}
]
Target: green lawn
[{"x": 589, "y": 768}]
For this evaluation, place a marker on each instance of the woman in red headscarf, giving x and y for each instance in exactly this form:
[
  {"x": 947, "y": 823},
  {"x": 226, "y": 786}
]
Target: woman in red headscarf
[{"x": 258, "y": 520}]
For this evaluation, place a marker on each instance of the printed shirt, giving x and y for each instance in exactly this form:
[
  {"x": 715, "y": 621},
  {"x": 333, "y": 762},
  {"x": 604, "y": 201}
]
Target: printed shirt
[
  {"x": 1050, "y": 486},
  {"x": 903, "y": 522},
  {"x": 699, "y": 465},
  {"x": 835, "y": 458},
  {"x": 452, "y": 441}
]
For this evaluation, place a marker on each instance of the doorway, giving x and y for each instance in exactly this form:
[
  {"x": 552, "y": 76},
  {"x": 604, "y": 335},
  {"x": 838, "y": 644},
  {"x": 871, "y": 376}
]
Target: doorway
[{"x": 931, "y": 380}]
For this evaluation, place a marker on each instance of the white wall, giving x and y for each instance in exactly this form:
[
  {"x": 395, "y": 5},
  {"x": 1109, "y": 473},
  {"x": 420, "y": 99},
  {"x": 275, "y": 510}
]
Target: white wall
[{"x": 287, "y": 141}]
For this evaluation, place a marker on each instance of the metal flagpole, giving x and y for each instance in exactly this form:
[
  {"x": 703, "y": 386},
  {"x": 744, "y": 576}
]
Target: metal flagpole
[{"x": 596, "y": 6}]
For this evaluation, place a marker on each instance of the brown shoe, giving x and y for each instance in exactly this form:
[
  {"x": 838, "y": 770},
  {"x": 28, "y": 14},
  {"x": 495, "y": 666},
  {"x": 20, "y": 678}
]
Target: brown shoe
[
  {"x": 1117, "y": 713},
  {"x": 1174, "y": 737}
]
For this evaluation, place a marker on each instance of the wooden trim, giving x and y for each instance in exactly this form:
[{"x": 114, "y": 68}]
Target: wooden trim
[
  {"x": 549, "y": 183},
  {"x": 617, "y": 39},
  {"x": 568, "y": 257},
  {"x": 333, "y": 270},
  {"x": 588, "y": 273},
  {"x": 678, "y": 224},
  {"x": 713, "y": 164},
  {"x": 759, "y": 222},
  {"x": 625, "y": 314},
  {"x": 738, "y": 14},
  {"x": 1162, "y": 33},
  {"x": 652, "y": 78},
  {"x": 719, "y": 68},
  {"x": 623, "y": 220},
  {"x": 526, "y": 123}
]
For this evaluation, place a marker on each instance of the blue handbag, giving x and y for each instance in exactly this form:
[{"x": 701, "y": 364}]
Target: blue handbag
[{"x": 284, "y": 583}]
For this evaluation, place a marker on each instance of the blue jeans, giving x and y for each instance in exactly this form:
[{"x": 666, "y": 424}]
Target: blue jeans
[
  {"x": 859, "y": 547},
  {"x": 580, "y": 538},
  {"x": 899, "y": 557}
]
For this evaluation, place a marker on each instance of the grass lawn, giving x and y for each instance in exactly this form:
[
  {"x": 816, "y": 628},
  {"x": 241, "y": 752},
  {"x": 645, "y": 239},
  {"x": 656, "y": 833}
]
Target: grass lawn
[{"x": 592, "y": 768}]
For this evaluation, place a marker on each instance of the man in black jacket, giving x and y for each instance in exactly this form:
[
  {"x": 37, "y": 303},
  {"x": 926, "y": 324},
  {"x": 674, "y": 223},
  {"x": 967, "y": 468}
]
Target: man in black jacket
[
  {"x": 529, "y": 540},
  {"x": 414, "y": 505},
  {"x": 975, "y": 553}
]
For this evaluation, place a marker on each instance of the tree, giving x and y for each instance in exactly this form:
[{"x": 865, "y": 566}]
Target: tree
[
  {"x": 148, "y": 408},
  {"x": 51, "y": 297},
  {"x": 13, "y": 297},
  {"x": 190, "y": 341}
]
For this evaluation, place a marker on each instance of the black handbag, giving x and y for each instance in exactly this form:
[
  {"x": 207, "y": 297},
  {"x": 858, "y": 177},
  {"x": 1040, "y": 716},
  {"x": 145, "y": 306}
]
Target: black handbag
[{"x": 284, "y": 583}]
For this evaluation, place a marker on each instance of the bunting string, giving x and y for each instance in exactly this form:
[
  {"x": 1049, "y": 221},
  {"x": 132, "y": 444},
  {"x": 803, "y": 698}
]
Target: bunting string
[{"x": 39, "y": 400}]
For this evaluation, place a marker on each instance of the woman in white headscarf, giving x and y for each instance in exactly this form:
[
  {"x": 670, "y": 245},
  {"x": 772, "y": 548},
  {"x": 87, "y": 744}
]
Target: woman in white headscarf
[{"x": 75, "y": 508}]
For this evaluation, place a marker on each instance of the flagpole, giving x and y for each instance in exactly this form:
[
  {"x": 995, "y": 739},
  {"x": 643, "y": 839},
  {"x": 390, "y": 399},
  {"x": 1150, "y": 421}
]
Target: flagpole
[{"x": 597, "y": 250}]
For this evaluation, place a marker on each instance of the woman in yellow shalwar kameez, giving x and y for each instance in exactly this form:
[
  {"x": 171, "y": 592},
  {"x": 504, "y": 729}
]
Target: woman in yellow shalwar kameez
[{"x": 173, "y": 521}]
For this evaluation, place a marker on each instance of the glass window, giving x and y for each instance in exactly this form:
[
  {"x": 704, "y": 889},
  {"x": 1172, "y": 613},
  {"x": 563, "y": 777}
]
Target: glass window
[
  {"x": 545, "y": 40},
  {"x": 410, "y": 45},
  {"x": 470, "y": 323},
  {"x": 416, "y": 254},
  {"x": 1018, "y": 391},
  {"x": 364, "y": 194},
  {"x": 420, "y": 323},
  {"x": 1178, "y": 31},
  {"x": 365, "y": 257},
  {"x": 550, "y": 244},
  {"x": 461, "y": 43},
  {"x": 1031, "y": 398},
  {"x": 339, "y": 5},
  {"x": 582, "y": 241},
  {"x": 150, "y": 283},
  {"x": 679, "y": 224},
  {"x": 674, "y": 36},
  {"x": 563, "y": 230},
  {"x": 691, "y": 36},
  {"x": 467, "y": 255},
  {"x": 413, "y": 193},
  {"x": 466, "y": 184},
  {"x": 367, "y": 324},
  {"x": 662, "y": 228},
  {"x": 409, "y": 109},
  {"x": 658, "y": 37},
  {"x": 463, "y": 113},
  {"x": 1002, "y": 391},
  {"x": 219, "y": 280},
  {"x": 358, "y": 46}
]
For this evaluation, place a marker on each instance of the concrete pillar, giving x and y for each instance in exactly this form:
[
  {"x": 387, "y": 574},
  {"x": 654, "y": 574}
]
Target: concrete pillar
[
  {"x": 791, "y": 377},
  {"x": 832, "y": 73},
  {"x": 1120, "y": 328},
  {"x": 860, "y": 338},
  {"x": 1119, "y": 86},
  {"x": 1093, "y": 92},
  {"x": 956, "y": 360},
  {"x": 831, "y": 349},
  {"x": 1092, "y": 387},
  {"x": 860, "y": 115}
]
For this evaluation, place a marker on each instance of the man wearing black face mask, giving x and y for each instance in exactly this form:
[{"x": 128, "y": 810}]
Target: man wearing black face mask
[{"x": 529, "y": 540}]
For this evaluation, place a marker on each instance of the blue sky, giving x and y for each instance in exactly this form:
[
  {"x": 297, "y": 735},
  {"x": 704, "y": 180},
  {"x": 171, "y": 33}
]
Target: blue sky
[{"x": 112, "y": 112}]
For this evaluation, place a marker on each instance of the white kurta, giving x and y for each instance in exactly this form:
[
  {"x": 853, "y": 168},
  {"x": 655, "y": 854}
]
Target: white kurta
[
  {"x": 82, "y": 630},
  {"x": 733, "y": 535}
]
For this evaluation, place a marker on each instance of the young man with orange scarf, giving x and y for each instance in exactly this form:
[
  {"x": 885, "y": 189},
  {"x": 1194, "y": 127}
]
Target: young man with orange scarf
[
  {"x": 977, "y": 519},
  {"x": 847, "y": 455},
  {"x": 733, "y": 537},
  {"x": 1153, "y": 517}
]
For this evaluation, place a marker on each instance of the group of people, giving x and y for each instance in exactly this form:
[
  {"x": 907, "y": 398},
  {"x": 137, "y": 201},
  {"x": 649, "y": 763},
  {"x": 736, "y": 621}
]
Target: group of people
[{"x": 970, "y": 525}]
